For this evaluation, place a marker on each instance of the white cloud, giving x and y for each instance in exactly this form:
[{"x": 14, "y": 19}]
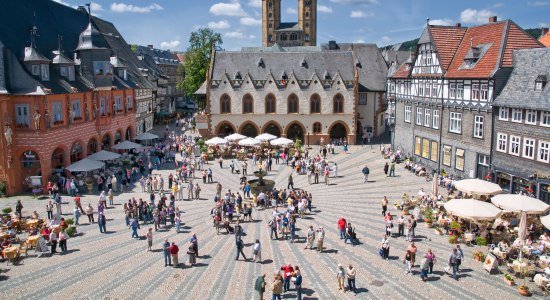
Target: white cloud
[
  {"x": 475, "y": 16},
  {"x": 223, "y": 24},
  {"x": 355, "y": 1},
  {"x": 255, "y": 3},
  {"x": 170, "y": 44},
  {"x": 232, "y": 9},
  {"x": 385, "y": 40},
  {"x": 538, "y": 3},
  {"x": 324, "y": 9},
  {"x": 123, "y": 8},
  {"x": 291, "y": 11},
  {"x": 443, "y": 22},
  {"x": 238, "y": 35},
  {"x": 248, "y": 21},
  {"x": 96, "y": 7},
  {"x": 360, "y": 14},
  {"x": 359, "y": 41}
]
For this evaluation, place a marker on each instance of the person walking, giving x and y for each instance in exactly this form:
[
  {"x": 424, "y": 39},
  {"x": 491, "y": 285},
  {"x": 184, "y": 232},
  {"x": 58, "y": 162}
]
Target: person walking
[
  {"x": 407, "y": 261},
  {"x": 63, "y": 241},
  {"x": 166, "y": 252},
  {"x": 351, "y": 273},
  {"x": 174, "y": 253},
  {"x": 277, "y": 287},
  {"x": 342, "y": 227},
  {"x": 452, "y": 261},
  {"x": 288, "y": 270},
  {"x": 385, "y": 247},
  {"x": 298, "y": 282},
  {"x": 240, "y": 247},
  {"x": 412, "y": 248},
  {"x": 350, "y": 234},
  {"x": 320, "y": 238},
  {"x": 76, "y": 214},
  {"x": 310, "y": 238},
  {"x": 273, "y": 228},
  {"x": 135, "y": 226},
  {"x": 149, "y": 237},
  {"x": 459, "y": 257},
  {"x": 102, "y": 222},
  {"x": 384, "y": 203},
  {"x": 392, "y": 169},
  {"x": 259, "y": 286},
  {"x": 19, "y": 209},
  {"x": 192, "y": 254},
  {"x": 90, "y": 213},
  {"x": 386, "y": 169},
  {"x": 366, "y": 172},
  {"x": 340, "y": 277},
  {"x": 290, "y": 182},
  {"x": 257, "y": 251},
  {"x": 430, "y": 257},
  {"x": 424, "y": 266},
  {"x": 53, "y": 242},
  {"x": 49, "y": 209},
  {"x": 209, "y": 173}
]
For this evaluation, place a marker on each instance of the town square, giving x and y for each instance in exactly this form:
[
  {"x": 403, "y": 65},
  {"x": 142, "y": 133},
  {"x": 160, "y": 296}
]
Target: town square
[{"x": 298, "y": 164}]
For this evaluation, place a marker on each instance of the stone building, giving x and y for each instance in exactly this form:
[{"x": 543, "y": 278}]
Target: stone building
[
  {"x": 286, "y": 34},
  {"x": 67, "y": 89},
  {"x": 521, "y": 135},
  {"x": 444, "y": 93},
  {"x": 335, "y": 91}
]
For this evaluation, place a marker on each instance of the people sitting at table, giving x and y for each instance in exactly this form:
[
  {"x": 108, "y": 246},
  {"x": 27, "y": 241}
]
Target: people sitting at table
[
  {"x": 475, "y": 231},
  {"x": 33, "y": 231},
  {"x": 35, "y": 215},
  {"x": 503, "y": 246},
  {"x": 11, "y": 233},
  {"x": 529, "y": 242},
  {"x": 545, "y": 239},
  {"x": 6, "y": 243},
  {"x": 45, "y": 232}
]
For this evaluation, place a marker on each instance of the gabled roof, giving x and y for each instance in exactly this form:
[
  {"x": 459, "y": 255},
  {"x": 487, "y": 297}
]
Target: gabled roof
[
  {"x": 446, "y": 40},
  {"x": 288, "y": 26},
  {"x": 403, "y": 71},
  {"x": 545, "y": 39},
  {"x": 519, "y": 92}
]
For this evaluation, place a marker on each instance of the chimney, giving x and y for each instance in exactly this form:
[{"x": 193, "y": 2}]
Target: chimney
[
  {"x": 493, "y": 19},
  {"x": 458, "y": 25},
  {"x": 331, "y": 45},
  {"x": 543, "y": 31},
  {"x": 150, "y": 46}
]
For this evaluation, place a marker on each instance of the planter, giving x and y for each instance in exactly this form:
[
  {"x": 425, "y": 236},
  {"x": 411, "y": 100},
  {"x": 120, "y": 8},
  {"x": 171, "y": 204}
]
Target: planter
[
  {"x": 523, "y": 291},
  {"x": 90, "y": 187},
  {"x": 509, "y": 282}
]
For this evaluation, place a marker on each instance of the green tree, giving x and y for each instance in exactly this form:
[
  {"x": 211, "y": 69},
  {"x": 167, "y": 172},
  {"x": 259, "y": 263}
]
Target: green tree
[{"x": 197, "y": 59}]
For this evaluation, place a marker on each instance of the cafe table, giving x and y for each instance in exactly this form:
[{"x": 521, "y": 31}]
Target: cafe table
[
  {"x": 32, "y": 223},
  {"x": 32, "y": 240},
  {"x": 10, "y": 253}
]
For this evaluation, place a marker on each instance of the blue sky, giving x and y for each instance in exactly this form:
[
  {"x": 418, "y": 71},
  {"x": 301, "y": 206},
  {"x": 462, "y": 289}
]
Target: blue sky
[{"x": 168, "y": 23}]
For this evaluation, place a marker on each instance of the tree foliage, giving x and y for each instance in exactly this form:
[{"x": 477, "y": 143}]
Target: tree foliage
[{"x": 197, "y": 58}]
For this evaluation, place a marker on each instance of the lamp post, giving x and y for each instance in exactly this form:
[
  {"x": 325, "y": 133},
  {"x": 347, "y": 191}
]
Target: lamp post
[{"x": 390, "y": 119}]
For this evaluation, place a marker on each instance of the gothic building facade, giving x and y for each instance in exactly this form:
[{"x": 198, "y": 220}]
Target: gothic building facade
[{"x": 289, "y": 34}]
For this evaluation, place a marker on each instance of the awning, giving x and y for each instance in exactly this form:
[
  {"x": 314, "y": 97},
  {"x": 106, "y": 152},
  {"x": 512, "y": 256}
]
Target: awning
[{"x": 85, "y": 165}]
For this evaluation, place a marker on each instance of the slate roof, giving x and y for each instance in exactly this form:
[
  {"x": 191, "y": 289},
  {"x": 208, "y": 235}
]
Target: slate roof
[
  {"x": 288, "y": 26},
  {"x": 372, "y": 66},
  {"x": 159, "y": 56},
  {"x": 519, "y": 91}
]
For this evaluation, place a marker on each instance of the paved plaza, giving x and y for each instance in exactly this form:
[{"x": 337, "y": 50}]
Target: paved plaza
[{"x": 116, "y": 266}]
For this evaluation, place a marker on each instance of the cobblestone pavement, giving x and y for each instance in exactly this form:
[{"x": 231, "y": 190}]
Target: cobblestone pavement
[{"x": 115, "y": 266}]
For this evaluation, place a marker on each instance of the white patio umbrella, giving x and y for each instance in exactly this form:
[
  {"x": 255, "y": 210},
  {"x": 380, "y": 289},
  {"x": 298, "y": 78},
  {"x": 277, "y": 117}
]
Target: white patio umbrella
[
  {"x": 545, "y": 221},
  {"x": 126, "y": 145},
  {"x": 249, "y": 142},
  {"x": 146, "y": 136},
  {"x": 235, "y": 137},
  {"x": 216, "y": 141},
  {"x": 435, "y": 186},
  {"x": 519, "y": 203},
  {"x": 266, "y": 137},
  {"x": 281, "y": 141},
  {"x": 85, "y": 165},
  {"x": 522, "y": 232},
  {"x": 472, "y": 209},
  {"x": 477, "y": 187},
  {"x": 104, "y": 155}
]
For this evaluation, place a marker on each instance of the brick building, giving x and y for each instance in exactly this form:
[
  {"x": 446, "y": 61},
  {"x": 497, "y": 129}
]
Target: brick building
[
  {"x": 289, "y": 34},
  {"x": 68, "y": 84}
]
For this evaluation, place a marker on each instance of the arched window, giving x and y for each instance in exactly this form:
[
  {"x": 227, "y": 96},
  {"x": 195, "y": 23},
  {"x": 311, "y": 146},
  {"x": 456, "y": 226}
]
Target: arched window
[
  {"x": 270, "y": 15},
  {"x": 338, "y": 104},
  {"x": 307, "y": 14},
  {"x": 315, "y": 104},
  {"x": 248, "y": 104},
  {"x": 284, "y": 37},
  {"x": 76, "y": 152},
  {"x": 317, "y": 127},
  {"x": 270, "y": 37},
  {"x": 293, "y": 36},
  {"x": 292, "y": 104},
  {"x": 270, "y": 26},
  {"x": 270, "y": 103},
  {"x": 306, "y": 37},
  {"x": 225, "y": 104}
]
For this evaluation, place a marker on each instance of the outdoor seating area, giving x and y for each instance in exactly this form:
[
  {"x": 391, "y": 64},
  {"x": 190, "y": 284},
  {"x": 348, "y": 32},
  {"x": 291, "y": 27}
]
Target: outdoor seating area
[{"x": 18, "y": 236}]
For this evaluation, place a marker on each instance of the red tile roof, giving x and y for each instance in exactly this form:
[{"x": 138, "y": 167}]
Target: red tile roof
[
  {"x": 545, "y": 39},
  {"x": 517, "y": 39},
  {"x": 446, "y": 40},
  {"x": 402, "y": 72}
]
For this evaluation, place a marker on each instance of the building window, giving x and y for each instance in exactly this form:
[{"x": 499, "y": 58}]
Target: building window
[
  {"x": 455, "y": 122},
  {"x": 544, "y": 150},
  {"x": 225, "y": 104},
  {"x": 427, "y": 117},
  {"x": 419, "y": 116},
  {"x": 531, "y": 117},
  {"x": 338, "y": 104},
  {"x": 503, "y": 113},
  {"x": 408, "y": 109},
  {"x": 270, "y": 104},
  {"x": 484, "y": 92},
  {"x": 129, "y": 103},
  {"x": 35, "y": 69},
  {"x": 427, "y": 89},
  {"x": 459, "y": 91},
  {"x": 363, "y": 99},
  {"x": 515, "y": 144},
  {"x": 516, "y": 115},
  {"x": 459, "y": 159},
  {"x": 118, "y": 103},
  {"x": 425, "y": 148},
  {"x": 435, "y": 119},
  {"x": 22, "y": 118},
  {"x": 293, "y": 37},
  {"x": 452, "y": 90},
  {"x": 435, "y": 87},
  {"x": 248, "y": 104},
  {"x": 102, "y": 106},
  {"x": 306, "y": 37},
  {"x": 528, "y": 148},
  {"x": 45, "y": 71},
  {"x": 447, "y": 156},
  {"x": 292, "y": 105},
  {"x": 502, "y": 142},
  {"x": 545, "y": 118},
  {"x": 435, "y": 151},
  {"x": 57, "y": 113},
  {"x": 421, "y": 88},
  {"x": 417, "y": 146},
  {"x": 76, "y": 110},
  {"x": 315, "y": 104},
  {"x": 317, "y": 127},
  {"x": 475, "y": 91},
  {"x": 478, "y": 126}
]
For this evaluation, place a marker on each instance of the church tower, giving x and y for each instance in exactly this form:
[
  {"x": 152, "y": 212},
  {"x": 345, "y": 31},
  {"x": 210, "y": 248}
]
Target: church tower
[
  {"x": 271, "y": 19},
  {"x": 307, "y": 20}
]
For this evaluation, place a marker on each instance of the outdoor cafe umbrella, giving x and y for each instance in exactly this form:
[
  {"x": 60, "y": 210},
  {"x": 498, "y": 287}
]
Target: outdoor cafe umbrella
[
  {"x": 435, "y": 186},
  {"x": 104, "y": 155},
  {"x": 235, "y": 137},
  {"x": 477, "y": 187},
  {"x": 472, "y": 209},
  {"x": 281, "y": 141},
  {"x": 146, "y": 136},
  {"x": 520, "y": 203},
  {"x": 266, "y": 137},
  {"x": 249, "y": 142},
  {"x": 126, "y": 145},
  {"x": 216, "y": 141},
  {"x": 85, "y": 165},
  {"x": 522, "y": 232},
  {"x": 545, "y": 221}
]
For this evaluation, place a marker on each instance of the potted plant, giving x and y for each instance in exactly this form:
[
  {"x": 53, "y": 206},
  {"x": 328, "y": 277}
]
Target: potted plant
[
  {"x": 69, "y": 221},
  {"x": 453, "y": 239},
  {"x": 524, "y": 290},
  {"x": 509, "y": 279},
  {"x": 428, "y": 217},
  {"x": 478, "y": 255},
  {"x": 455, "y": 228},
  {"x": 71, "y": 231},
  {"x": 7, "y": 211},
  {"x": 89, "y": 183},
  {"x": 481, "y": 241}
]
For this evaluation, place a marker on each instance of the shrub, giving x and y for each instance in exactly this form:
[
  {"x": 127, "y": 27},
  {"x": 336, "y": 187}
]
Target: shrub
[
  {"x": 453, "y": 239},
  {"x": 71, "y": 231},
  {"x": 7, "y": 210},
  {"x": 69, "y": 221},
  {"x": 481, "y": 241}
]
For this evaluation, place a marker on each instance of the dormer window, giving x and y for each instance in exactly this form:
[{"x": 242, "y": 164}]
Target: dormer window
[
  {"x": 261, "y": 63},
  {"x": 474, "y": 55},
  {"x": 284, "y": 77},
  {"x": 63, "y": 71},
  {"x": 303, "y": 63},
  {"x": 238, "y": 76},
  {"x": 35, "y": 70},
  {"x": 540, "y": 82},
  {"x": 45, "y": 72}
]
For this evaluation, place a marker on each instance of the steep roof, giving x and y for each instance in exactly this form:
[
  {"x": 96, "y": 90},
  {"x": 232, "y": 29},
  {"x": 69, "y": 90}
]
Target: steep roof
[
  {"x": 446, "y": 39},
  {"x": 519, "y": 91},
  {"x": 288, "y": 26},
  {"x": 545, "y": 39}
]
